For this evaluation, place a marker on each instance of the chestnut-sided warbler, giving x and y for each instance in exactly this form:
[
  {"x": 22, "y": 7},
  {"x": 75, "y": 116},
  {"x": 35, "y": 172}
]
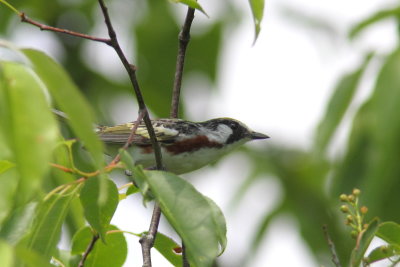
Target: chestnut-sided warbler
[{"x": 185, "y": 146}]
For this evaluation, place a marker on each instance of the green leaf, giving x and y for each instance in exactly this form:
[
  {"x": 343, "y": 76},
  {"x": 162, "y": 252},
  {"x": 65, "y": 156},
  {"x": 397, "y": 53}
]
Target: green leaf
[
  {"x": 69, "y": 99},
  {"x": 194, "y": 218},
  {"x": 338, "y": 105},
  {"x": 380, "y": 253},
  {"x": 31, "y": 258},
  {"x": 191, "y": 3},
  {"x": 99, "y": 205},
  {"x": 257, "y": 8},
  {"x": 168, "y": 247},
  {"x": 18, "y": 223},
  {"x": 31, "y": 129},
  {"x": 111, "y": 254},
  {"x": 6, "y": 254},
  {"x": 49, "y": 219},
  {"x": 5, "y": 165},
  {"x": 358, "y": 253},
  {"x": 376, "y": 17},
  {"x": 389, "y": 232}
]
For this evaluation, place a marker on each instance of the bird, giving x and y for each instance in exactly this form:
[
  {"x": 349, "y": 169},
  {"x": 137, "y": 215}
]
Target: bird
[{"x": 186, "y": 146}]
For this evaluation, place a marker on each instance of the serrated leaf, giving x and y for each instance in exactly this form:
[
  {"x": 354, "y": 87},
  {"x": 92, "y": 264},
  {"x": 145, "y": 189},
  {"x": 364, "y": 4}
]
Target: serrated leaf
[
  {"x": 359, "y": 252},
  {"x": 338, "y": 105},
  {"x": 50, "y": 217},
  {"x": 69, "y": 99},
  {"x": 31, "y": 129},
  {"x": 111, "y": 254},
  {"x": 257, "y": 9},
  {"x": 389, "y": 232},
  {"x": 99, "y": 205},
  {"x": 190, "y": 213},
  {"x": 167, "y": 246},
  {"x": 5, "y": 165}
]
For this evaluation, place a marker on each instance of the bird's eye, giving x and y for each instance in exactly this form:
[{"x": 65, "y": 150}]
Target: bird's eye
[{"x": 233, "y": 125}]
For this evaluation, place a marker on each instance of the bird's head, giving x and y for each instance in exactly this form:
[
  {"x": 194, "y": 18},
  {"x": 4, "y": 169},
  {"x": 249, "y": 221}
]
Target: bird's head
[{"x": 230, "y": 131}]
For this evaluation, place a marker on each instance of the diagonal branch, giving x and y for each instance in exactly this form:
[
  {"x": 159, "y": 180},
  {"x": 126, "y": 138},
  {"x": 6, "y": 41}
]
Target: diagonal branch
[
  {"x": 184, "y": 38},
  {"x": 44, "y": 27},
  {"x": 131, "y": 70},
  {"x": 88, "y": 250}
]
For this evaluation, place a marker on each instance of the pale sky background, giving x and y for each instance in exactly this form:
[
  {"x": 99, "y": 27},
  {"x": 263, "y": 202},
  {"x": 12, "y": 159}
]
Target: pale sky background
[{"x": 279, "y": 87}]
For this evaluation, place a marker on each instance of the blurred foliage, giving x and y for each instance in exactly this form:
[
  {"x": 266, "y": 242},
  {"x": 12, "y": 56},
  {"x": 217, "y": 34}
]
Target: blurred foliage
[{"x": 311, "y": 179}]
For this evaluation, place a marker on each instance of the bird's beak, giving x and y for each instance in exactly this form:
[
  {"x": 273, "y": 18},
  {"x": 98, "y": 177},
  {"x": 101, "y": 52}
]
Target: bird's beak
[{"x": 255, "y": 135}]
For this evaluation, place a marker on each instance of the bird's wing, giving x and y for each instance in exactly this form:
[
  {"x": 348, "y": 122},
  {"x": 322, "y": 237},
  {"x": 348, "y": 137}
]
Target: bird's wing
[{"x": 119, "y": 134}]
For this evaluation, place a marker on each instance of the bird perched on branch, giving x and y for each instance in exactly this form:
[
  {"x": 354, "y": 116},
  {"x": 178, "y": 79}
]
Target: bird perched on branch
[{"x": 185, "y": 146}]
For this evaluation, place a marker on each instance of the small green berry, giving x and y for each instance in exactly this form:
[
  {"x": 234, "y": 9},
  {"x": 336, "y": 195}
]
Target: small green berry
[
  {"x": 356, "y": 191},
  {"x": 343, "y": 198},
  {"x": 351, "y": 198},
  {"x": 344, "y": 208},
  {"x": 354, "y": 234}
]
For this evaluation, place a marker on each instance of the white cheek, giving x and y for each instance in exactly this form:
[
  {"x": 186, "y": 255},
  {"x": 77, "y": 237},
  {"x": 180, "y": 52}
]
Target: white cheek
[{"x": 221, "y": 134}]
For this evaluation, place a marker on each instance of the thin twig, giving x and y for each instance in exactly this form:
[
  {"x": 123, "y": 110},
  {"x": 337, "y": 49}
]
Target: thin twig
[
  {"x": 88, "y": 250},
  {"x": 44, "y": 27},
  {"x": 131, "y": 70},
  {"x": 184, "y": 38},
  {"x": 147, "y": 240},
  {"x": 335, "y": 258}
]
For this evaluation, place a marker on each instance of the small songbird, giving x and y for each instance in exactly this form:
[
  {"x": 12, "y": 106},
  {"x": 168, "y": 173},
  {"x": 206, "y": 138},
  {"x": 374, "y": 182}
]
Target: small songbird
[{"x": 185, "y": 146}]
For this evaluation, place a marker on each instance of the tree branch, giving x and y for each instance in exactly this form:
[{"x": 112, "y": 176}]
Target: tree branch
[
  {"x": 44, "y": 27},
  {"x": 184, "y": 38},
  {"x": 88, "y": 250},
  {"x": 335, "y": 258}
]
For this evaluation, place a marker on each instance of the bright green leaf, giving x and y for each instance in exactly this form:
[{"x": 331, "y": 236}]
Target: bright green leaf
[
  {"x": 31, "y": 129},
  {"x": 190, "y": 213},
  {"x": 390, "y": 232},
  {"x": 166, "y": 246},
  {"x": 6, "y": 254},
  {"x": 359, "y": 252},
  {"x": 69, "y": 99},
  {"x": 257, "y": 8},
  {"x": 50, "y": 217},
  {"x": 99, "y": 205},
  {"x": 111, "y": 254},
  {"x": 5, "y": 165}
]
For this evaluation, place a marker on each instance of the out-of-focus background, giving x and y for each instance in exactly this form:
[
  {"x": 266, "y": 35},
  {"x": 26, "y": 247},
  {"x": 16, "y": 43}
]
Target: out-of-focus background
[{"x": 322, "y": 80}]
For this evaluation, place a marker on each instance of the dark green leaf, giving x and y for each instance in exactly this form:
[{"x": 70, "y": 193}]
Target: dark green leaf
[
  {"x": 111, "y": 254},
  {"x": 358, "y": 253},
  {"x": 190, "y": 213},
  {"x": 338, "y": 105},
  {"x": 390, "y": 232},
  {"x": 257, "y": 8},
  {"x": 69, "y": 99},
  {"x": 49, "y": 218},
  {"x": 5, "y": 165},
  {"x": 376, "y": 17},
  {"x": 31, "y": 128},
  {"x": 99, "y": 204},
  {"x": 380, "y": 253},
  {"x": 168, "y": 247}
]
